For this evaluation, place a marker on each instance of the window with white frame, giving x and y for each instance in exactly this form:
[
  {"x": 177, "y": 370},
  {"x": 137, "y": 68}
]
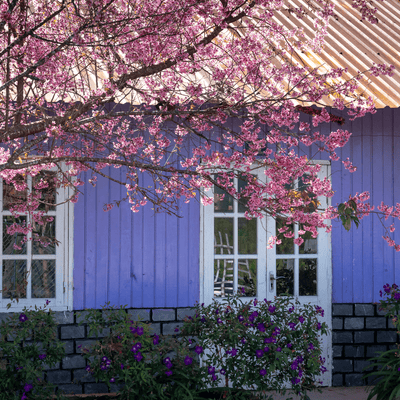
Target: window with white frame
[
  {"x": 234, "y": 255},
  {"x": 36, "y": 267}
]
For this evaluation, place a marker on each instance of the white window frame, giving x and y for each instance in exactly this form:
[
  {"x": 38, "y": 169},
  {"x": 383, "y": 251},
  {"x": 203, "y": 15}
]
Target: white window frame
[
  {"x": 64, "y": 214},
  {"x": 265, "y": 257}
]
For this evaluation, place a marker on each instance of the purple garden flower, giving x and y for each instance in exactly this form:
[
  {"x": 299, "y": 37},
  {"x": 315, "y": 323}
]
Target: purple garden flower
[
  {"x": 397, "y": 296},
  {"x": 387, "y": 288},
  {"x": 301, "y": 319},
  {"x": 263, "y": 372},
  {"x": 243, "y": 340},
  {"x": 310, "y": 347},
  {"x": 42, "y": 356},
  {"x": 261, "y": 327},
  {"x": 319, "y": 326},
  {"x": 253, "y": 316},
  {"x": 24, "y": 396},
  {"x": 292, "y": 326},
  {"x": 188, "y": 360},
  {"x": 156, "y": 339},
  {"x": 28, "y": 387},
  {"x": 295, "y": 381},
  {"x": 87, "y": 369},
  {"x": 203, "y": 319},
  {"x": 259, "y": 353},
  {"x": 140, "y": 331},
  {"x": 138, "y": 356},
  {"x": 279, "y": 349},
  {"x": 294, "y": 366},
  {"x": 214, "y": 378},
  {"x": 289, "y": 345},
  {"x": 167, "y": 362},
  {"x": 133, "y": 330},
  {"x": 217, "y": 311},
  {"x": 22, "y": 317},
  {"x": 266, "y": 349},
  {"x": 271, "y": 309},
  {"x": 211, "y": 370},
  {"x": 233, "y": 352},
  {"x": 122, "y": 366},
  {"x": 168, "y": 373},
  {"x": 104, "y": 359},
  {"x": 240, "y": 318},
  {"x": 198, "y": 349},
  {"x": 48, "y": 302},
  {"x": 112, "y": 380},
  {"x": 222, "y": 371},
  {"x": 219, "y": 321}
]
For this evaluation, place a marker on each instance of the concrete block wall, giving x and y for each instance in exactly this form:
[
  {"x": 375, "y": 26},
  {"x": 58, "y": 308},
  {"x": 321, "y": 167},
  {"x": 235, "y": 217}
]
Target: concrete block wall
[
  {"x": 70, "y": 375},
  {"x": 359, "y": 331}
]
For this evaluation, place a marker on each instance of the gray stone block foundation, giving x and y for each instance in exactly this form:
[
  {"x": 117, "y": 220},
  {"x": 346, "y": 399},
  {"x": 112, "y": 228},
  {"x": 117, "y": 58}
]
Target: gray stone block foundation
[
  {"x": 360, "y": 331},
  {"x": 70, "y": 375}
]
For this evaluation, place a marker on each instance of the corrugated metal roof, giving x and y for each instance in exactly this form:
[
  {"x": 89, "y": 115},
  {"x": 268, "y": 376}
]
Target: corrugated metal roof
[
  {"x": 351, "y": 43},
  {"x": 357, "y": 44}
]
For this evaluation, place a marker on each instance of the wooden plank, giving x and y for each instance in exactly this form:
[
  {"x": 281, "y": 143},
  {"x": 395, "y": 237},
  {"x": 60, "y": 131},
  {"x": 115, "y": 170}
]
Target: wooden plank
[
  {"x": 171, "y": 261},
  {"x": 367, "y": 222},
  {"x": 148, "y": 246},
  {"x": 89, "y": 261},
  {"x": 194, "y": 253},
  {"x": 388, "y": 198},
  {"x": 136, "y": 293},
  {"x": 376, "y": 196},
  {"x": 114, "y": 242},
  {"x": 184, "y": 226},
  {"x": 102, "y": 240},
  {"x": 161, "y": 238},
  {"x": 126, "y": 239},
  {"x": 79, "y": 238},
  {"x": 357, "y": 234}
]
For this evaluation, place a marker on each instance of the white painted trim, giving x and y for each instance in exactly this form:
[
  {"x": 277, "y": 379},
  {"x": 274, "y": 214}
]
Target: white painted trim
[{"x": 63, "y": 301}]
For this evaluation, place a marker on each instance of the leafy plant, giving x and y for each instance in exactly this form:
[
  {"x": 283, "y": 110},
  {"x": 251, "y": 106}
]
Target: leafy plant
[
  {"x": 28, "y": 342},
  {"x": 145, "y": 366},
  {"x": 259, "y": 344},
  {"x": 387, "y": 364}
]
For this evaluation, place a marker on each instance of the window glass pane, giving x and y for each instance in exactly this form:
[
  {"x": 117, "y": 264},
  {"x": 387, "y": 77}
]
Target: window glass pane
[
  {"x": 308, "y": 277},
  {"x": 14, "y": 279},
  {"x": 46, "y": 233},
  {"x": 45, "y": 181},
  {"x": 223, "y": 202},
  {"x": 242, "y": 183},
  {"x": 43, "y": 278},
  {"x": 287, "y": 245},
  {"x": 223, "y": 277},
  {"x": 15, "y": 243},
  {"x": 13, "y": 196},
  {"x": 247, "y": 277},
  {"x": 223, "y": 236},
  {"x": 310, "y": 244},
  {"x": 247, "y": 236},
  {"x": 284, "y": 277}
]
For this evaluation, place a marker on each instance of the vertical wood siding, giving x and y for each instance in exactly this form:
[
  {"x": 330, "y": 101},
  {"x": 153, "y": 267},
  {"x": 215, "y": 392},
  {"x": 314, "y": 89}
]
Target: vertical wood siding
[
  {"x": 362, "y": 262},
  {"x": 152, "y": 260},
  {"x": 139, "y": 259}
]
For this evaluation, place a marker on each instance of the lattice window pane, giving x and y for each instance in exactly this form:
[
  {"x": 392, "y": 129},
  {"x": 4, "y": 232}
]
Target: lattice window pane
[
  {"x": 14, "y": 279},
  {"x": 43, "y": 278},
  {"x": 223, "y": 277},
  {"x": 13, "y": 196},
  {"x": 47, "y": 234},
  {"x": 247, "y": 277},
  {"x": 47, "y": 197},
  {"x": 13, "y": 244}
]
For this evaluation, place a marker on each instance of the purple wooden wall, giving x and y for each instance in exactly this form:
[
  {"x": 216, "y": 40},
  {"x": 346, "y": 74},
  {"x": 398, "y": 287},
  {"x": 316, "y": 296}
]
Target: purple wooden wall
[
  {"x": 362, "y": 260},
  {"x": 147, "y": 260},
  {"x": 139, "y": 259}
]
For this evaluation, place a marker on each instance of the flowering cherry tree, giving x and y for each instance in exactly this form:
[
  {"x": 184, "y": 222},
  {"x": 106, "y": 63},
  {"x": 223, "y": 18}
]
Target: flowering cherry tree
[{"x": 149, "y": 86}]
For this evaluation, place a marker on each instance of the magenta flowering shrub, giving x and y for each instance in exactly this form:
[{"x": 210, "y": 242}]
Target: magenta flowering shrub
[
  {"x": 386, "y": 366},
  {"x": 144, "y": 365},
  {"x": 259, "y": 344},
  {"x": 28, "y": 342}
]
